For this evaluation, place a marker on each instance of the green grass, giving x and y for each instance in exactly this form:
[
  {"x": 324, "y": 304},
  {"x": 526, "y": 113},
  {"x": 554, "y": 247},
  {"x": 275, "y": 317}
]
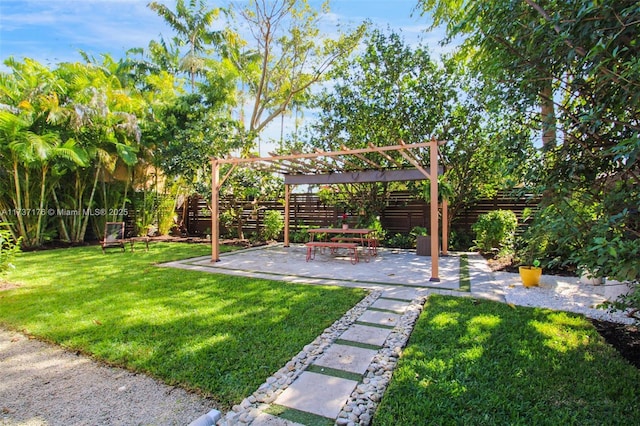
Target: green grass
[
  {"x": 217, "y": 334},
  {"x": 477, "y": 362}
]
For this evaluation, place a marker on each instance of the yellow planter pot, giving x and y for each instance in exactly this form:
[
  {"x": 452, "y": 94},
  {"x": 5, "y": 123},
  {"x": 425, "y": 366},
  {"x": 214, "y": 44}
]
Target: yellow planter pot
[{"x": 530, "y": 275}]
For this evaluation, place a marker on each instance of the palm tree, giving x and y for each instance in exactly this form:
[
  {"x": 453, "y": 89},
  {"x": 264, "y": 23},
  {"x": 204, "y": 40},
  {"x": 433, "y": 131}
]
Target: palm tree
[
  {"x": 192, "y": 23},
  {"x": 29, "y": 152}
]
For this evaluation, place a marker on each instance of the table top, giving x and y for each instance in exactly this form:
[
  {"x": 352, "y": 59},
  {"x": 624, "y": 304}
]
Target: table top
[{"x": 340, "y": 231}]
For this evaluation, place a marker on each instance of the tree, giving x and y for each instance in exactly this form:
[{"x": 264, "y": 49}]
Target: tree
[
  {"x": 589, "y": 51},
  {"x": 394, "y": 92},
  {"x": 31, "y": 147},
  {"x": 192, "y": 23},
  {"x": 287, "y": 57}
]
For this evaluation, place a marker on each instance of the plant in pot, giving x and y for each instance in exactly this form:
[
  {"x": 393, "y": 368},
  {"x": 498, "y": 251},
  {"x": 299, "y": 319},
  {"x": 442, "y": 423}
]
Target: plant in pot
[
  {"x": 343, "y": 221},
  {"x": 530, "y": 274},
  {"x": 532, "y": 245}
]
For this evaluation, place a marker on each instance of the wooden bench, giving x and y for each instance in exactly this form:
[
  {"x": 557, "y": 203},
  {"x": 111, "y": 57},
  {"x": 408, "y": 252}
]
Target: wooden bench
[
  {"x": 352, "y": 247},
  {"x": 372, "y": 243}
]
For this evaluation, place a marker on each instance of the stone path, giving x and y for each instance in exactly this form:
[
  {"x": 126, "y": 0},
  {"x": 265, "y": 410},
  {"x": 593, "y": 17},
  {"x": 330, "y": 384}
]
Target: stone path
[
  {"x": 341, "y": 376},
  {"x": 345, "y": 381}
]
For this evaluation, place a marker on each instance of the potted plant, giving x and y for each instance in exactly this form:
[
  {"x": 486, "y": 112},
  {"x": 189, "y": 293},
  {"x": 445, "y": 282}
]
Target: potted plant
[
  {"x": 588, "y": 276},
  {"x": 530, "y": 274},
  {"x": 423, "y": 240},
  {"x": 343, "y": 221}
]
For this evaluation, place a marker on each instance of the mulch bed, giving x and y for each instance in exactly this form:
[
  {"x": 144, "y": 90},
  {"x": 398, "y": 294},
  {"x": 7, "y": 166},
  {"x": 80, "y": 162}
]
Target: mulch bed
[{"x": 625, "y": 338}]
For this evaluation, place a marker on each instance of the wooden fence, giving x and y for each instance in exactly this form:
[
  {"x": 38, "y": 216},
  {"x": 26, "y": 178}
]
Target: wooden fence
[{"x": 402, "y": 213}]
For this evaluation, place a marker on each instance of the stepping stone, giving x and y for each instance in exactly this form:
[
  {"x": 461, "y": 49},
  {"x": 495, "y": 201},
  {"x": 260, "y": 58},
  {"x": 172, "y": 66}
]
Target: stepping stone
[
  {"x": 381, "y": 318},
  {"x": 347, "y": 358},
  {"x": 366, "y": 334},
  {"x": 317, "y": 394},
  {"x": 391, "y": 305},
  {"x": 400, "y": 293}
]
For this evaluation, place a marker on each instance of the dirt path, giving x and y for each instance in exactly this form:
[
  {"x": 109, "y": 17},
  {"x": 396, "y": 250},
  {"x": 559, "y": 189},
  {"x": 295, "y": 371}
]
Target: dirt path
[{"x": 42, "y": 384}]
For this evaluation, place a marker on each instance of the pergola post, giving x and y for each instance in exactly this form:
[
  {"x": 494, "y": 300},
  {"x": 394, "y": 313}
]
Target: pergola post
[
  {"x": 445, "y": 227},
  {"x": 433, "y": 180},
  {"x": 215, "y": 210},
  {"x": 287, "y": 205}
]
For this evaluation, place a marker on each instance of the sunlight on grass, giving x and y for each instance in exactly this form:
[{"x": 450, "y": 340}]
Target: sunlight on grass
[
  {"x": 445, "y": 320},
  {"x": 558, "y": 337},
  {"x": 220, "y": 334},
  {"x": 480, "y": 328},
  {"x": 482, "y": 362}
]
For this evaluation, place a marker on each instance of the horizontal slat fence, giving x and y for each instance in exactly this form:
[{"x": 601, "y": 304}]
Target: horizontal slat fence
[{"x": 401, "y": 214}]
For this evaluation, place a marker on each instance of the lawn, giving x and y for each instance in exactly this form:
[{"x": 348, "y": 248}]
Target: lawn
[
  {"x": 486, "y": 363},
  {"x": 217, "y": 334}
]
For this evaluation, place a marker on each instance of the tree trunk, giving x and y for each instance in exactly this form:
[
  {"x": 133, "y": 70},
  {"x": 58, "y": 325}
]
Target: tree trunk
[{"x": 548, "y": 116}]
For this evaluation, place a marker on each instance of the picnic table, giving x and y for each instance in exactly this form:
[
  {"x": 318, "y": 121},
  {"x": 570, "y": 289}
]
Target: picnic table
[{"x": 346, "y": 238}]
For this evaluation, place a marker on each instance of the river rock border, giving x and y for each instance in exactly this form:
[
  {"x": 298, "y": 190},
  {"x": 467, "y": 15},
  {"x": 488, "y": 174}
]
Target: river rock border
[
  {"x": 251, "y": 407},
  {"x": 364, "y": 400}
]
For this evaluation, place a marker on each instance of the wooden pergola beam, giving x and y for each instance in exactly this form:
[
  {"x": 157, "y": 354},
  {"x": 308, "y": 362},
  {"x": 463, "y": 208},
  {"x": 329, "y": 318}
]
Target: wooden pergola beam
[
  {"x": 313, "y": 155},
  {"x": 364, "y": 176}
]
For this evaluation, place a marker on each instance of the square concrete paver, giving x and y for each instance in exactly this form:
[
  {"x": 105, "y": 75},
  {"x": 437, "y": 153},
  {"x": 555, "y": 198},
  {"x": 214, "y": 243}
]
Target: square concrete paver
[
  {"x": 366, "y": 334},
  {"x": 381, "y": 318},
  {"x": 317, "y": 394},
  {"x": 403, "y": 293},
  {"x": 391, "y": 305},
  {"x": 347, "y": 358}
]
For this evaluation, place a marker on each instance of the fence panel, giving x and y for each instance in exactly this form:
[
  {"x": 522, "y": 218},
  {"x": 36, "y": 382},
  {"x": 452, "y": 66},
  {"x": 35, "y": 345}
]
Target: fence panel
[{"x": 401, "y": 214}]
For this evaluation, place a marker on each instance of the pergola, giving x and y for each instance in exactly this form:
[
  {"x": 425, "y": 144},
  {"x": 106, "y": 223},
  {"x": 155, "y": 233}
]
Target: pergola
[{"x": 340, "y": 167}]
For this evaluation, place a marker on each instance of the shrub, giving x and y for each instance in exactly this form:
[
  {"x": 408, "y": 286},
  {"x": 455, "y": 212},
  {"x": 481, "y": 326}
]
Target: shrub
[
  {"x": 299, "y": 236},
  {"x": 495, "y": 231},
  {"x": 166, "y": 214},
  {"x": 273, "y": 224},
  {"x": 398, "y": 240},
  {"x": 8, "y": 248}
]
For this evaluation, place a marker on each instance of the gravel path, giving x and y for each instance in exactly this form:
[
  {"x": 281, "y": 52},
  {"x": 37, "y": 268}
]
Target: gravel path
[{"x": 41, "y": 384}]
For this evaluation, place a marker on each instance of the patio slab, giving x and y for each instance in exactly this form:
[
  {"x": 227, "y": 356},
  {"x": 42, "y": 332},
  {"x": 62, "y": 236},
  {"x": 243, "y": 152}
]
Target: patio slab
[
  {"x": 318, "y": 394},
  {"x": 389, "y": 269},
  {"x": 366, "y": 334},
  {"x": 380, "y": 318},
  {"x": 347, "y": 358}
]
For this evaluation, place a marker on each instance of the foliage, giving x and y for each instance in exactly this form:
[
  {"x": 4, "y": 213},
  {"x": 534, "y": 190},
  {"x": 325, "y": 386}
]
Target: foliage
[
  {"x": 474, "y": 361},
  {"x": 419, "y": 231},
  {"x": 404, "y": 241},
  {"x": 299, "y": 236},
  {"x": 161, "y": 322},
  {"x": 244, "y": 190},
  {"x": 495, "y": 231},
  {"x": 578, "y": 62},
  {"x": 226, "y": 220},
  {"x": 392, "y": 91},
  {"x": 64, "y": 131},
  {"x": 166, "y": 213},
  {"x": 273, "y": 225},
  {"x": 9, "y": 248},
  {"x": 192, "y": 22}
]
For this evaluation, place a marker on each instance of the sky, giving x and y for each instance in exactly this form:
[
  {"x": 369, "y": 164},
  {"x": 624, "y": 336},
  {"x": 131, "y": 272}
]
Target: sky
[{"x": 53, "y": 31}]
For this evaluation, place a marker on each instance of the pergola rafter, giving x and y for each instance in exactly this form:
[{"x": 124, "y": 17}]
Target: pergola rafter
[{"x": 343, "y": 166}]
